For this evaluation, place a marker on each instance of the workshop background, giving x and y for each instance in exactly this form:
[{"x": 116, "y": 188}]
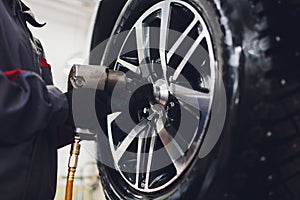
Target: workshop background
[{"x": 66, "y": 38}]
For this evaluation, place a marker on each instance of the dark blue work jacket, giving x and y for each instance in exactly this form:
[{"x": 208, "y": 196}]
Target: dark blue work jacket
[{"x": 30, "y": 110}]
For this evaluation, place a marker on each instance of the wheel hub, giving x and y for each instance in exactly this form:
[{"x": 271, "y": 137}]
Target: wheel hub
[{"x": 161, "y": 92}]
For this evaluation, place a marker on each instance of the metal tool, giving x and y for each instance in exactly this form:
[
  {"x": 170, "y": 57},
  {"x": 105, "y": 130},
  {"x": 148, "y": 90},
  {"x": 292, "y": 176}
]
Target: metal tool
[
  {"x": 96, "y": 77},
  {"x": 91, "y": 77},
  {"x": 73, "y": 161}
]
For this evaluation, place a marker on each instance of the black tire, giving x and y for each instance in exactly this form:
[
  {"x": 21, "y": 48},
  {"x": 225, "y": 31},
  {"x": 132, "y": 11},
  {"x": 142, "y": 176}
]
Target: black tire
[{"x": 258, "y": 154}]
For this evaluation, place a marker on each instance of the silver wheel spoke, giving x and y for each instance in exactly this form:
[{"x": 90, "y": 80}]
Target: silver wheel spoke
[
  {"x": 131, "y": 136},
  {"x": 138, "y": 161},
  {"x": 150, "y": 157},
  {"x": 164, "y": 27},
  {"x": 181, "y": 39},
  {"x": 189, "y": 54},
  {"x": 142, "y": 41},
  {"x": 138, "y": 129},
  {"x": 189, "y": 110},
  {"x": 143, "y": 138},
  {"x": 196, "y": 99},
  {"x": 173, "y": 149},
  {"x": 129, "y": 66}
]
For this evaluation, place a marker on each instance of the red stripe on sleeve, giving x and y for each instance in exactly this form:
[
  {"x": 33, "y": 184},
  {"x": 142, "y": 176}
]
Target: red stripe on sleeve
[
  {"x": 13, "y": 74},
  {"x": 44, "y": 63}
]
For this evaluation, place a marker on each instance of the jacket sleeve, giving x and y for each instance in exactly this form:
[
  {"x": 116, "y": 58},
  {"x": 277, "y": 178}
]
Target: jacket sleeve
[{"x": 28, "y": 106}]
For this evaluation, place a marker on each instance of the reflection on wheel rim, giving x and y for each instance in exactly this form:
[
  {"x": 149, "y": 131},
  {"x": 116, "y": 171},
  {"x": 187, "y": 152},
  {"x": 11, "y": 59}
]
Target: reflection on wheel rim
[{"x": 168, "y": 134}]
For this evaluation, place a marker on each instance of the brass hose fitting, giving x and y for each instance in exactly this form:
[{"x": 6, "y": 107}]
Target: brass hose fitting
[{"x": 73, "y": 160}]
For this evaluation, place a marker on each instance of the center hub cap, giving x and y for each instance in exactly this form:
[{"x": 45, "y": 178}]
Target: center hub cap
[{"x": 161, "y": 92}]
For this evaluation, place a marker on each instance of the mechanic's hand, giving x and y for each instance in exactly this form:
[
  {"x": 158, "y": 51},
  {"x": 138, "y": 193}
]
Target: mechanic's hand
[
  {"x": 70, "y": 121},
  {"x": 66, "y": 131}
]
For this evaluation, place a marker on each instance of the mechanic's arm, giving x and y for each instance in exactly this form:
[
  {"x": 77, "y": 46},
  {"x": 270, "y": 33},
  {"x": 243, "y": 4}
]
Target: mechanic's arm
[{"x": 28, "y": 106}]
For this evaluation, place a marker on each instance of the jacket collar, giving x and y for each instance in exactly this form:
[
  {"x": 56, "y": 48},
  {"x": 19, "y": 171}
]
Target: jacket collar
[
  {"x": 15, "y": 6},
  {"x": 18, "y": 7}
]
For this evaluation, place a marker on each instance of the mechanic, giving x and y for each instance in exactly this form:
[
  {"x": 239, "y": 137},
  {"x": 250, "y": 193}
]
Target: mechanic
[
  {"x": 35, "y": 117},
  {"x": 32, "y": 110}
]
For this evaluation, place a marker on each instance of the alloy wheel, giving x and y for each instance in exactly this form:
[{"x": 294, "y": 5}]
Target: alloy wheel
[{"x": 168, "y": 131}]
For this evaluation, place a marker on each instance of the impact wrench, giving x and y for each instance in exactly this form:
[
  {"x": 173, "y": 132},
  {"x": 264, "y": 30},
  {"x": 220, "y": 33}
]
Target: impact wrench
[{"x": 90, "y": 77}]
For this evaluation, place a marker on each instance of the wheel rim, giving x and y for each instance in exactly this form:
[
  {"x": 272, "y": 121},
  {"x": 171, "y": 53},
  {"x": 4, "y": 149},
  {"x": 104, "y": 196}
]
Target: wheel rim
[{"x": 160, "y": 134}]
